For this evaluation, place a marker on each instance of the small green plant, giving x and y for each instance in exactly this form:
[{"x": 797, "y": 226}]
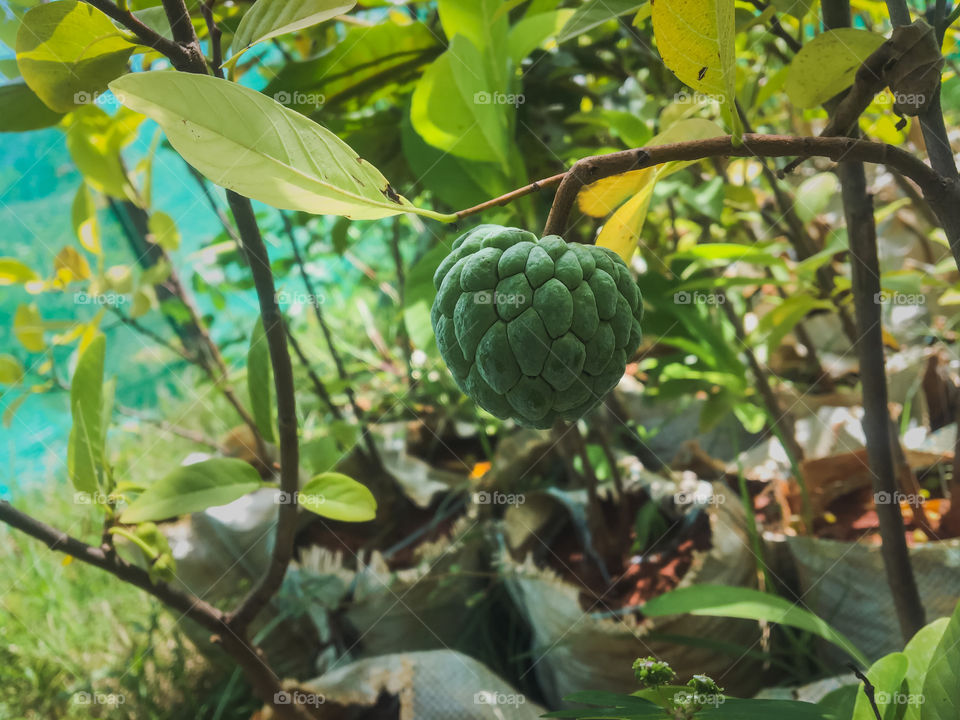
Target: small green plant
[{"x": 920, "y": 683}]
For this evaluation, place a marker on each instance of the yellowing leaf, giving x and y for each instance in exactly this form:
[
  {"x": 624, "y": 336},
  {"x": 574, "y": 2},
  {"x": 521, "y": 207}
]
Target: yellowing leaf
[
  {"x": 84, "y": 216},
  {"x": 14, "y": 272},
  {"x": 247, "y": 142},
  {"x": 69, "y": 265},
  {"x": 696, "y": 41},
  {"x": 827, "y": 64},
  {"x": 621, "y": 233},
  {"x": 28, "y": 328},
  {"x": 68, "y": 51},
  {"x": 599, "y": 199},
  {"x": 602, "y": 197}
]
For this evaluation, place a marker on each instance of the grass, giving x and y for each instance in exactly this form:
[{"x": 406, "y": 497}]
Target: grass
[{"x": 69, "y": 632}]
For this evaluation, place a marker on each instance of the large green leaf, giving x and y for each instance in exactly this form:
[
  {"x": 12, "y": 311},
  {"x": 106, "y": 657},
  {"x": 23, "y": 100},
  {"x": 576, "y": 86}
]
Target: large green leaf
[
  {"x": 249, "y": 143},
  {"x": 533, "y": 30},
  {"x": 338, "y": 497},
  {"x": 920, "y": 652},
  {"x": 941, "y": 689},
  {"x": 260, "y": 381},
  {"x": 23, "y": 110},
  {"x": 68, "y": 51},
  {"x": 596, "y": 12},
  {"x": 193, "y": 488},
  {"x": 738, "y": 709},
  {"x": 369, "y": 61},
  {"x": 696, "y": 41},
  {"x": 886, "y": 675},
  {"x": 737, "y": 602},
  {"x": 827, "y": 64},
  {"x": 85, "y": 446},
  {"x": 459, "y": 108},
  {"x": 271, "y": 18}
]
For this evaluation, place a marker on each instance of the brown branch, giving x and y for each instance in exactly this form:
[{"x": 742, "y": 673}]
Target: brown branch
[
  {"x": 865, "y": 271},
  {"x": 273, "y": 324},
  {"x": 248, "y": 657},
  {"x": 776, "y": 28},
  {"x": 512, "y": 195},
  {"x": 146, "y": 35},
  {"x": 942, "y": 193}
]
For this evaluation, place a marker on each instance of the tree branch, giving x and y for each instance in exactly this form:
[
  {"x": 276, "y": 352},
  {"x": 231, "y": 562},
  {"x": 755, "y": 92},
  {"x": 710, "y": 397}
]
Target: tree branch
[
  {"x": 942, "y": 193},
  {"x": 273, "y": 324},
  {"x": 147, "y": 35}
]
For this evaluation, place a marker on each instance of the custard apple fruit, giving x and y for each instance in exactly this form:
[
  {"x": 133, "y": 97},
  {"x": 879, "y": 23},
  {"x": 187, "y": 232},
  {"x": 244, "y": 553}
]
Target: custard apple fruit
[{"x": 531, "y": 329}]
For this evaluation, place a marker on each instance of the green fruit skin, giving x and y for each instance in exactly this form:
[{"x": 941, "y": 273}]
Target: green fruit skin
[{"x": 534, "y": 330}]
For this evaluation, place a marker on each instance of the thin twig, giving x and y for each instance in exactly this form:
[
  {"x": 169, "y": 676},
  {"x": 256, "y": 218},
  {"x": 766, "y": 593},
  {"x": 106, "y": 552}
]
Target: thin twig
[
  {"x": 318, "y": 384},
  {"x": 328, "y": 337}
]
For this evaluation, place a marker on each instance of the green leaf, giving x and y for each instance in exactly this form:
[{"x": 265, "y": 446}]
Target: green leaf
[
  {"x": 11, "y": 371},
  {"x": 941, "y": 688},
  {"x": 737, "y": 602},
  {"x": 886, "y": 675},
  {"x": 367, "y": 61},
  {"x": 338, "y": 497},
  {"x": 827, "y": 64},
  {"x": 696, "y": 41},
  {"x": 260, "y": 381},
  {"x": 164, "y": 231},
  {"x": 94, "y": 140},
  {"x": 246, "y": 142},
  {"x": 528, "y": 34},
  {"x": 23, "y": 110},
  {"x": 782, "y": 319},
  {"x": 738, "y": 709},
  {"x": 68, "y": 51},
  {"x": 85, "y": 448},
  {"x": 272, "y": 18},
  {"x": 193, "y": 488},
  {"x": 83, "y": 215},
  {"x": 594, "y": 13},
  {"x": 459, "y": 108},
  {"x": 920, "y": 653}
]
